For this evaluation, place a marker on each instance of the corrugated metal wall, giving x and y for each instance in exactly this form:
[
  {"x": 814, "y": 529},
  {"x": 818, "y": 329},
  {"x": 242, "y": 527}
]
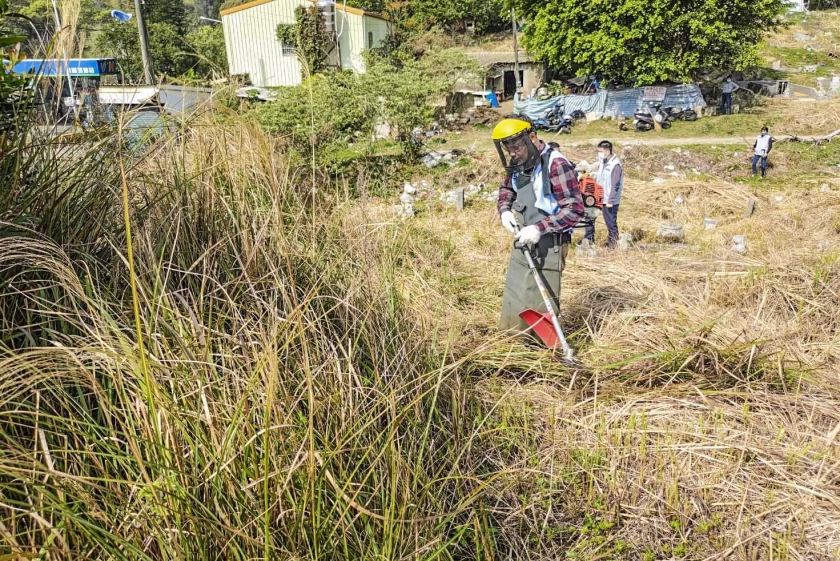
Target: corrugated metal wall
[
  {"x": 252, "y": 46},
  {"x": 376, "y": 29},
  {"x": 352, "y": 29}
]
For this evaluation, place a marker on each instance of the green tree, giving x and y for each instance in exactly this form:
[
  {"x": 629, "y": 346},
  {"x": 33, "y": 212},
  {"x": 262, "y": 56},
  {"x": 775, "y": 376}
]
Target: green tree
[
  {"x": 368, "y": 5},
  {"x": 170, "y": 12},
  {"x": 346, "y": 105},
  {"x": 208, "y": 41},
  {"x": 38, "y": 22},
  {"x": 487, "y": 14},
  {"x": 168, "y": 47},
  {"x": 647, "y": 41},
  {"x": 405, "y": 95}
]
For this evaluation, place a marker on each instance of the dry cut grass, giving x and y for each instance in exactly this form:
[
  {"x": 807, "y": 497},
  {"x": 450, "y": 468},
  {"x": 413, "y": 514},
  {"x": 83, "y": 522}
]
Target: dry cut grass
[{"x": 706, "y": 424}]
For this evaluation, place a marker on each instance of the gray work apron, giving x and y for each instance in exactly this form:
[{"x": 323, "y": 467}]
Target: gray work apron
[{"x": 521, "y": 292}]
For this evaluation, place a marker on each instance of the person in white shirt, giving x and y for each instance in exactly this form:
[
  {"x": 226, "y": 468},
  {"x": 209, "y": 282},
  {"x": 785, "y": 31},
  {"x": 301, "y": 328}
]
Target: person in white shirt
[
  {"x": 726, "y": 101},
  {"x": 761, "y": 149},
  {"x": 610, "y": 176}
]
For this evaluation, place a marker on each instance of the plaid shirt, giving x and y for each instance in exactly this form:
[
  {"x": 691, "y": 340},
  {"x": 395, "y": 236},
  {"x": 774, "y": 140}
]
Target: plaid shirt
[{"x": 564, "y": 185}]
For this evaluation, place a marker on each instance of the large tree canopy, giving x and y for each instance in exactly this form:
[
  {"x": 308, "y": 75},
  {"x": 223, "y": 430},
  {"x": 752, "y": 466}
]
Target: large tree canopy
[
  {"x": 487, "y": 14},
  {"x": 646, "y": 41}
]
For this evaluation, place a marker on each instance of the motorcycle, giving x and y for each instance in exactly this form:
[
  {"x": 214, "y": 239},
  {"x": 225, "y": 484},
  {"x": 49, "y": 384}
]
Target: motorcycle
[
  {"x": 681, "y": 114},
  {"x": 554, "y": 119},
  {"x": 643, "y": 120},
  {"x": 578, "y": 115}
]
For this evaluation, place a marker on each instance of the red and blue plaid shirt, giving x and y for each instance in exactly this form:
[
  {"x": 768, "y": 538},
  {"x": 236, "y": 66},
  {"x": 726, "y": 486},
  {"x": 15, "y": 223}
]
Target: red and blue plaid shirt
[{"x": 564, "y": 186}]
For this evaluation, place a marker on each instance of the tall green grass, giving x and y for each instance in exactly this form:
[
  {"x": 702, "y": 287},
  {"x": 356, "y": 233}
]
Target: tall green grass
[{"x": 274, "y": 398}]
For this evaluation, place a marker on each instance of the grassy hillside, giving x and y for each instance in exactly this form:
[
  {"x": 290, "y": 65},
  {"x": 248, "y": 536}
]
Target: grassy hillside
[{"x": 808, "y": 40}]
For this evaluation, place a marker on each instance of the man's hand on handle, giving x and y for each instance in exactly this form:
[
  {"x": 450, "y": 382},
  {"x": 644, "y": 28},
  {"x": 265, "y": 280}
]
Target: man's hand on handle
[
  {"x": 509, "y": 221},
  {"x": 529, "y": 235}
]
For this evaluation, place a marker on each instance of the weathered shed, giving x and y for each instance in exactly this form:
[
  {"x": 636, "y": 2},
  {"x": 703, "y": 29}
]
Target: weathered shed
[{"x": 501, "y": 76}]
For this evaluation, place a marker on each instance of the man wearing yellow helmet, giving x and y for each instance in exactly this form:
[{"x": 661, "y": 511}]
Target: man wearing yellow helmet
[{"x": 539, "y": 202}]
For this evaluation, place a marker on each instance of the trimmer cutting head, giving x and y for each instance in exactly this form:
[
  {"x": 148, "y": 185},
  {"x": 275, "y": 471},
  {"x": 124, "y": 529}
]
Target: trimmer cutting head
[{"x": 542, "y": 327}]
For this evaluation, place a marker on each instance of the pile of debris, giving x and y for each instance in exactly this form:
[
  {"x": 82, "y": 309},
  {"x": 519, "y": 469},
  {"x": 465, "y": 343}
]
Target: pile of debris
[
  {"x": 462, "y": 194},
  {"x": 423, "y": 190},
  {"x": 433, "y": 158},
  {"x": 472, "y": 117},
  {"x": 406, "y": 207}
]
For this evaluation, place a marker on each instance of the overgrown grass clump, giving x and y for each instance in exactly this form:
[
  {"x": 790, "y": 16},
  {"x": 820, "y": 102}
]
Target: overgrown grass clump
[{"x": 277, "y": 401}]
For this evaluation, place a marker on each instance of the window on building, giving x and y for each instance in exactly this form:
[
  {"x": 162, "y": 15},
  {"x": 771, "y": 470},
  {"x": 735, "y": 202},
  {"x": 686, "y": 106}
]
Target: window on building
[
  {"x": 370, "y": 39},
  {"x": 288, "y": 49}
]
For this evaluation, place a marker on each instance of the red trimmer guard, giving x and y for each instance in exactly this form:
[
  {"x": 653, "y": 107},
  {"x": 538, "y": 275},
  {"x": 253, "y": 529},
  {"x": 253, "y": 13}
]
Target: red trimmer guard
[{"x": 542, "y": 326}]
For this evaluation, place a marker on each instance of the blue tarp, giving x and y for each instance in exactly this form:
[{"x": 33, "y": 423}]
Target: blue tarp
[
  {"x": 612, "y": 103},
  {"x": 586, "y": 103},
  {"x": 73, "y": 67}
]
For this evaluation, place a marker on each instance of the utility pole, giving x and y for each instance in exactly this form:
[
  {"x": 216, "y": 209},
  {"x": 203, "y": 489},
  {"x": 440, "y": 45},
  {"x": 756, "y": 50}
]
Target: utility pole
[
  {"x": 148, "y": 70},
  {"x": 515, "y": 49}
]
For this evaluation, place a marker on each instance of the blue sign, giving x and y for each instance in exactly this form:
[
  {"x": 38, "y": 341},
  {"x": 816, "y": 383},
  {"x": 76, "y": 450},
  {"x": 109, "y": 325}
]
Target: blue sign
[{"x": 89, "y": 67}]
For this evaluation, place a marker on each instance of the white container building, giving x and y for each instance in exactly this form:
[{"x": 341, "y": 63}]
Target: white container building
[{"x": 253, "y": 48}]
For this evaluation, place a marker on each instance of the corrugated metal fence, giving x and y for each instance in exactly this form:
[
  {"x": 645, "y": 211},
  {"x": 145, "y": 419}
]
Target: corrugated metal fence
[{"x": 612, "y": 103}]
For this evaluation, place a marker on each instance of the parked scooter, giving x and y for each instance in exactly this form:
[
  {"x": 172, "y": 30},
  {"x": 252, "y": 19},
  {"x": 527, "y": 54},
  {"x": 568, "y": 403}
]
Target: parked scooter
[
  {"x": 643, "y": 120},
  {"x": 554, "y": 119},
  {"x": 578, "y": 115},
  {"x": 681, "y": 113}
]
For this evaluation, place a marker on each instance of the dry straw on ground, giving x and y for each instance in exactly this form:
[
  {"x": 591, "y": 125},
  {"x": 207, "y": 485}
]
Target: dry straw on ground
[{"x": 707, "y": 425}]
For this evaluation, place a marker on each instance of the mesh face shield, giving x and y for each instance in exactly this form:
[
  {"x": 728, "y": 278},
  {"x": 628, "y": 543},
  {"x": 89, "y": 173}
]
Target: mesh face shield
[{"x": 517, "y": 153}]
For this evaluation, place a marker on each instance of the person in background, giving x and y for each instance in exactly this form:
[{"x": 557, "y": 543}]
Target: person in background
[
  {"x": 761, "y": 149},
  {"x": 729, "y": 87},
  {"x": 610, "y": 176}
]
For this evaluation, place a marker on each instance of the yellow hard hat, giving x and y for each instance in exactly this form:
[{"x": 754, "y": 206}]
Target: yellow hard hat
[{"x": 509, "y": 127}]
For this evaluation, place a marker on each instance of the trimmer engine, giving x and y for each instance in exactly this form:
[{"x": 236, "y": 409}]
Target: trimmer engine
[{"x": 593, "y": 195}]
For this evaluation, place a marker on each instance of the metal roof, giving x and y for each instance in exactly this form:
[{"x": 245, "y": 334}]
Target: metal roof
[
  {"x": 131, "y": 95},
  {"x": 340, "y": 7},
  {"x": 491, "y": 58}
]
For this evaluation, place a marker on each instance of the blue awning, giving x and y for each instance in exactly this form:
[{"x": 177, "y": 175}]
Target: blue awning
[{"x": 89, "y": 67}]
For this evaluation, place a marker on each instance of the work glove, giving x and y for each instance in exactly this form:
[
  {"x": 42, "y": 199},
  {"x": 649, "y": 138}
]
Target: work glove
[
  {"x": 509, "y": 221},
  {"x": 529, "y": 235}
]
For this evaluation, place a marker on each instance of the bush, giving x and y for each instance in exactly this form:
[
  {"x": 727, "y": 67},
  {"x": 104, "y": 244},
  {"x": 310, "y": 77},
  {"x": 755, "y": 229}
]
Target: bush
[
  {"x": 345, "y": 106},
  {"x": 244, "y": 402},
  {"x": 337, "y": 111}
]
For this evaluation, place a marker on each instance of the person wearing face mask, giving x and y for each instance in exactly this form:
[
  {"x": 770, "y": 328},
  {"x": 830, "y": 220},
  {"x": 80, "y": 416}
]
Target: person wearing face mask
[
  {"x": 539, "y": 202},
  {"x": 610, "y": 176},
  {"x": 761, "y": 149},
  {"x": 726, "y": 100}
]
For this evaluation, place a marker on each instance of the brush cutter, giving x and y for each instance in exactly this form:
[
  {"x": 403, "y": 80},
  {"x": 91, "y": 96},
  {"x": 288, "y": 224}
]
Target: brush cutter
[{"x": 545, "y": 325}]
